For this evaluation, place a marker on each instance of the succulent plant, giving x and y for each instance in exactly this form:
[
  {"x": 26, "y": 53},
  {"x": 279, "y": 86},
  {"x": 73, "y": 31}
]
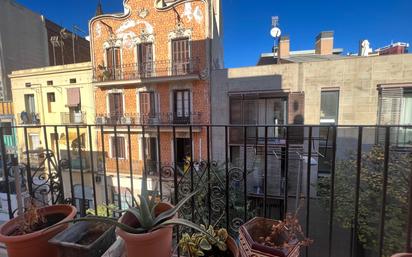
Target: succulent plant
[
  {"x": 198, "y": 243},
  {"x": 144, "y": 212}
]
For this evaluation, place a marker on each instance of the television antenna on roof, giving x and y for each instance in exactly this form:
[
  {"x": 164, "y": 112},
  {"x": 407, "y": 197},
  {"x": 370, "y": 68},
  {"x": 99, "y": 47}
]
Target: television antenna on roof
[{"x": 275, "y": 32}]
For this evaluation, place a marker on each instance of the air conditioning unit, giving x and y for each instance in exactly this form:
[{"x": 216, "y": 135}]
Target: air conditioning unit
[
  {"x": 100, "y": 120},
  {"x": 126, "y": 120}
]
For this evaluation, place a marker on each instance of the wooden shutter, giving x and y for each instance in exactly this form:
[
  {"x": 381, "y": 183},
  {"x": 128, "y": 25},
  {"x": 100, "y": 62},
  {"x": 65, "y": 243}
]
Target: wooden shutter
[
  {"x": 121, "y": 147},
  {"x": 147, "y": 103},
  {"x": 116, "y": 57},
  {"x": 109, "y": 57},
  {"x": 180, "y": 55},
  {"x": 116, "y": 103}
]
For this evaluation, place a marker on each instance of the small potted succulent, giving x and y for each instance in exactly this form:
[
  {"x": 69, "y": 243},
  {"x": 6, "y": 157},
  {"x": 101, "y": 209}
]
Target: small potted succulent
[
  {"x": 87, "y": 239},
  {"x": 29, "y": 233},
  {"x": 272, "y": 238},
  {"x": 201, "y": 244}
]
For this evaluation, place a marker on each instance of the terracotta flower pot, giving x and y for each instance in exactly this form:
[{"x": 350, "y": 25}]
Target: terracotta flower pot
[
  {"x": 36, "y": 244},
  {"x": 251, "y": 248},
  {"x": 157, "y": 243},
  {"x": 231, "y": 244},
  {"x": 402, "y": 255}
]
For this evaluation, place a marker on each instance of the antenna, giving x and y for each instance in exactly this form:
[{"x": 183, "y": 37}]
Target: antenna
[
  {"x": 275, "y": 32},
  {"x": 275, "y": 21}
]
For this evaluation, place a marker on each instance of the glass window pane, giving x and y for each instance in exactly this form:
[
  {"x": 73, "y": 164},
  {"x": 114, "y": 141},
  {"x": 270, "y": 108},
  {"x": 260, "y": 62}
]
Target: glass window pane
[{"x": 329, "y": 106}]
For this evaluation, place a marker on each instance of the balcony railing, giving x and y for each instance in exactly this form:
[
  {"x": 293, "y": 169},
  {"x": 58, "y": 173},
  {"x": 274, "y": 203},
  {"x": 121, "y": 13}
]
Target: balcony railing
[
  {"x": 150, "y": 119},
  {"x": 69, "y": 118},
  {"x": 26, "y": 118},
  {"x": 147, "y": 70},
  {"x": 360, "y": 205}
]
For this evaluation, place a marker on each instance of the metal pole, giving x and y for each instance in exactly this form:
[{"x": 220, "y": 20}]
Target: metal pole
[{"x": 74, "y": 52}]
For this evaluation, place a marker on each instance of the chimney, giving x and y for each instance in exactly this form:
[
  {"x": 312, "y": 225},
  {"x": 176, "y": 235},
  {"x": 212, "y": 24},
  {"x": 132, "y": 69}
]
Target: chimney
[
  {"x": 324, "y": 43},
  {"x": 284, "y": 47}
]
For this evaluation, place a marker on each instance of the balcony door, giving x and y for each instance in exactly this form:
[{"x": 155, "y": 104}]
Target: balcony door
[
  {"x": 29, "y": 102},
  {"x": 115, "y": 107},
  {"x": 180, "y": 56},
  {"x": 147, "y": 106},
  {"x": 113, "y": 58},
  {"x": 30, "y": 115},
  {"x": 145, "y": 59},
  {"x": 182, "y": 107}
]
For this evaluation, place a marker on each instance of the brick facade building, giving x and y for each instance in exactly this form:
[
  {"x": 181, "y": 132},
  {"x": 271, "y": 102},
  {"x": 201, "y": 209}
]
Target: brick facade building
[{"x": 152, "y": 67}]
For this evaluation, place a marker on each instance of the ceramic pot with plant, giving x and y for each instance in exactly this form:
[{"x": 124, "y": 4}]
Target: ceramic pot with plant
[
  {"x": 147, "y": 225},
  {"x": 272, "y": 238},
  {"x": 29, "y": 233},
  {"x": 215, "y": 243}
]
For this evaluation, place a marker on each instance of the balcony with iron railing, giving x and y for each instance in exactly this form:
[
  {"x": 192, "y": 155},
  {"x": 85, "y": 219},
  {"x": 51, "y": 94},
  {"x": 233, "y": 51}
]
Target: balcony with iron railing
[
  {"x": 25, "y": 118},
  {"x": 166, "y": 118},
  {"x": 158, "y": 71},
  {"x": 361, "y": 207},
  {"x": 73, "y": 118}
]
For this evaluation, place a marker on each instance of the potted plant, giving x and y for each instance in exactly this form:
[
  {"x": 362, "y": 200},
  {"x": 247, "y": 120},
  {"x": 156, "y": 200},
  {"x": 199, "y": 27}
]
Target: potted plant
[
  {"x": 29, "y": 233},
  {"x": 200, "y": 244},
  {"x": 147, "y": 226},
  {"x": 272, "y": 238},
  {"x": 86, "y": 239}
]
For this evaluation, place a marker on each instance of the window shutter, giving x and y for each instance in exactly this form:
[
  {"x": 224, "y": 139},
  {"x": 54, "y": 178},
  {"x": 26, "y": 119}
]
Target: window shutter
[
  {"x": 109, "y": 57},
  {"x": 180, "y": 55},
  {"x": 117, "y": 57},
  {"x": 390, "y": 106},
  {"x": 111, "y": 104}
]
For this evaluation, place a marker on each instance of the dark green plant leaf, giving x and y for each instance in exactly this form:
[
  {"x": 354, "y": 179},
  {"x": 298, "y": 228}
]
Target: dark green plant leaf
[{"x": 172, "y": 212}]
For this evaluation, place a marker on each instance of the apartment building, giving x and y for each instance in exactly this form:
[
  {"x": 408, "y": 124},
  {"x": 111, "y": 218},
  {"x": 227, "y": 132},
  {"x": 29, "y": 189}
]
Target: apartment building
[
  {"x": 313, "y": 87},
  {"x": 41, "y": 43},
  {"x": 53, "y": 105},
  {"x": 151, "y": 66}
]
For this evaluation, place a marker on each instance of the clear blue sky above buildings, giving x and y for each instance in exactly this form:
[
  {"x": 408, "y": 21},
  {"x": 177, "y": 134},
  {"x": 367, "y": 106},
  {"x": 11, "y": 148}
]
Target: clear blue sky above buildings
[{"x": 247, "y": 23}]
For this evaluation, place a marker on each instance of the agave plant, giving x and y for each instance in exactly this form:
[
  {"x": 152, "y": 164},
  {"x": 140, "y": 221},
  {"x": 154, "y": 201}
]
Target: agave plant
[{"x": 144, "y": 212}]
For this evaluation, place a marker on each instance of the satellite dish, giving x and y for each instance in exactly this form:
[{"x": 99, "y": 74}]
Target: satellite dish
[{"x": 275, "y": 32}]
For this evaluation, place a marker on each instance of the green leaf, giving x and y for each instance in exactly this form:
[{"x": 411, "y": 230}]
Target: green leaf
[
  {"x": 145, "y": 214},
  {"x": 204, "y": 245},
  {"x": 136, "y": 212},
  {"x": 185, "y": 223},
  {"x": 172, "y": 212},
  {"x": 134, "y": 202}
]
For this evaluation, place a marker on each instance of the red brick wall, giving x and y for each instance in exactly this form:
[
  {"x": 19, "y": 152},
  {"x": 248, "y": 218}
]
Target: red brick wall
[{"x": 163, "y": 22}]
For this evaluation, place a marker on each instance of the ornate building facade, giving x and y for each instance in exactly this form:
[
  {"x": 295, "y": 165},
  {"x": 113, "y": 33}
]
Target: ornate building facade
[{"x": 152, "y": 66}]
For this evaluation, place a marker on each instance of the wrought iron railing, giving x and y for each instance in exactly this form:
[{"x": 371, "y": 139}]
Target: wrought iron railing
[
  {"x": 147, "y": 70},
  {"x": 361, "y": 206},
  {"x": 68, "y": 118},
  {"x": 165, "y": 118},
  {"x": 26, "y": 118}
]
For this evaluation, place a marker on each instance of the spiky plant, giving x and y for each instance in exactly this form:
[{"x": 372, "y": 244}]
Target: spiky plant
[{"x": 144, "y": 212}]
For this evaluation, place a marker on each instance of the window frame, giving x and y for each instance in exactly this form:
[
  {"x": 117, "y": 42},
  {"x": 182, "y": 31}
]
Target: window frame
[
  {"x": 327, "y": 119},
  {"x": 112, "y": 149},
  {"x": 183, "y": 116},
  {"x": 51, "y": 98}
]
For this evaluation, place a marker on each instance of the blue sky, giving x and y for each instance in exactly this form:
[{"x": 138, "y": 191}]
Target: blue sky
[{"x": 247, "y": 26}]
